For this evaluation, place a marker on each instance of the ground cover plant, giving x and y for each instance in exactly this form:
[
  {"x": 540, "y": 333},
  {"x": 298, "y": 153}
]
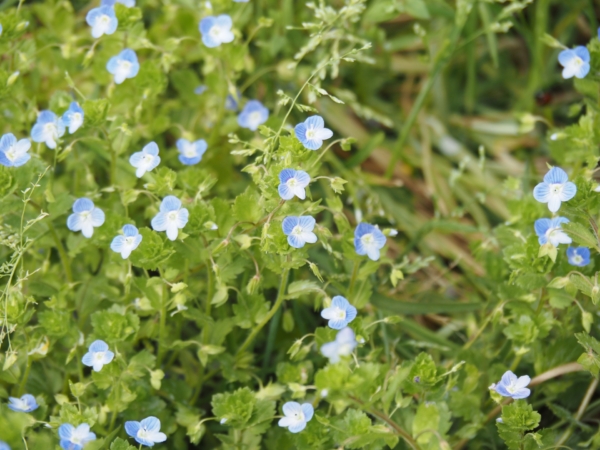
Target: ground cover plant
[{"x": 299, "y": 225}]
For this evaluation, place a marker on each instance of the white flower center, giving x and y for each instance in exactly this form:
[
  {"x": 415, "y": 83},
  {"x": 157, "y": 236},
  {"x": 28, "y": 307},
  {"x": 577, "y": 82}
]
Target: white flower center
[
  {"x": 76, "y": 117},
  {"x": 367, "y": 239},
  {"x": 292, "y": 182},
  {"x": 311, "y": 133},
  {"x": 85, "y": 215},
  {"x": 104, "y": 19},
  {"x": 215, "y": 32},
  {"x": 577, "y": 259},
  {"x": 297, "y": 231},
  {"x": 340, "y": 313},
  {"x": 129, "y": 240},
  {"x": 577, "y": 61},
  {"x": 255, "y": 117},
  {"x": 189, "y": 151},
  {"x": 299, "y": 417},
  {"x": 556, "y": 189},
  {"x": 11, "y": 154},
  {"x": 172, "y": 216},
  {"x": 50, "y": 130},
  {"x": 143, "y": 433},
  {"x": 99, "y": 356},
  {"x": 124, "y": 66}
]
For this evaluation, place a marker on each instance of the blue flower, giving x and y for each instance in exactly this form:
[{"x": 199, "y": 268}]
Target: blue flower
[
  {"x": 124, "y": 65},
  {"x": 126, "y": 243},
  {"x": 340, "y": 313},
  {"x": 232, "y": 100},
  {"x": 190, "y": 153},
  {"x": 171, "y": 217},
  {"x": 368, "y": 240},
  {"x": 241, "y": 1},
  {"x": 3, "y": 445},
  {"x": 102, "y": 20},
  {"x": 299, "y": 230},
  {"x": 146, "y": 160},
  {"x": 296, "y": 416},
  {"x": 73, "y": 117},
  {"x": 312, "y": 132},
  {"x": 24, "y": 404},
  {"x": 555, "y": 188},
  {"x": 85, "y": 217},
  {"x": 511, "y": 386},
  {"x": 98, "y": 355},
  {"x": 216, "y": 30},
  {"x": 578, "y": 256},
  {"x": 253, "y": 115},
  {"x": 549, "y": 230},
  {"x": 293, "y": 183},
  {"x": 200, "y": 89},
  {"x": 576, "y": 62},
  {"x": 147, "y": 432},
  {"x": 72, "y": 438},
  {"x": 128, "y": 3},
  {"x": 14, "y": 153},
  {"x": 344, "y": 345},
  {"x": 48, "y": 128}
]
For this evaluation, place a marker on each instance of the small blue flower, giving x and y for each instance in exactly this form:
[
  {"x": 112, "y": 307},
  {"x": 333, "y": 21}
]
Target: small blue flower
[
  {"x": 72, "y": 438},
  {"x": 98, "y": 355},
  {"x": 1, "y": 35},
  {"x": 124, "y": 65},
  {"x": 48, "y": 128},
  {"x": 296, "y": 416},
  {"x": 14, "y": 153},
  {"x": 555, "y": 188},
  {"x": 3, "y": 445},
  {"x": 578, "y": 256},
  {"x": 126, "y": 243},
  {"x": 85, "y": 217},
  {"x": 102, "y": 20},
  {"x": 344, "y": 345},
  {"x": 253, "y": 115},
  {"x": 368, "y": 240},
  {"x": 128, "y": 3},
  {"x": 293, "y": 183},
  {"x": 216, "y": 30},
  {"x": 171, "y": 217},
  {"x": 241, "y": 1},
  {"x": 146, "y": 160},
  {"x": 147, "y": 432},
  {"x": 299, "y": 230},
  {"x": 190, "y": 153},
  {"x": 312, "y": 132},
  {"x": 340, "y": 313},
  {"x": 73, "y": 117},
  {"x": 232, "y": 100},
  {"x": 549, "y": 230},
  {"x": 576, "y": 62},
  {"x": 200, "y": 89},
  {"x": 24, "y": 404},
  {"x": 511, "y": 386}
]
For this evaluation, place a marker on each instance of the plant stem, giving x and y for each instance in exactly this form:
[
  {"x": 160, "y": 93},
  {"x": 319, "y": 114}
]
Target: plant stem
[
  {"x": 61, "y": 252},
  {"x": 25, "y": 377},
  {"x": 278, "y": 302},
  {"x": 353, "y": 278},
  {"x": 582, "y": 407},
  {"x": 162, "y": 327}
]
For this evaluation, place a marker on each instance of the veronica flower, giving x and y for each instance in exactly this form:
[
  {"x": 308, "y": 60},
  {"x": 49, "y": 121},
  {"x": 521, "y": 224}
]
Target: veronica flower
[
  {"x": 190, "y": 153},
  {"x": 253, "y": 115},
  {"x": 578, "y": 256},
  {"x": 344, "y": 345},
  {"x": 3, "y": 445},
  {"x": 555, "y": 189},
  {"x": 368, "y": 240},
  {"x": 128, "y": 3},
  {"x": 511, "y": 386},
  {"x": 48, "y": 128},
  {"x": 14, "y": 153},
  {"x": 24, "y": 404},
  {"x": 549, "y": 230},
  {"x": 299, "y": 230},
  {"x": 126, "y": 243},
  {"x": 73, "y": 117},
  {"x": 146, "y": 160},
  {"x": 340, "y": 313},
  {"x": 576, "y": 62},
  {"x": 124, "y": 65},
  {"x": 216, "y": 30},
  {"x": 85, "y": 217},
  {"x": 232, "y": 100},
  {"x": 147, "y": 432},
  {"x": 293, "y": 183},
  {"x": 98, "y": 355},
  {"x": 296, "y": 416},
  {"x": 72, "y": 438},
  {"x": 200, "y": 89},
  {"x": 171, "y": 217},
  {"x": 312, "y": 132},
  {"x": 102, "y": 20}
]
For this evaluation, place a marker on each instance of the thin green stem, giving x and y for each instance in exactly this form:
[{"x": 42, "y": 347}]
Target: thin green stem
[
  {"x": 353, "y": 278},
  {"x": 25, "y": 377},
  {"x": 61, "y": 252},
  {"x": 162, "y": 327},
  {"x": 271, "y": 313}
]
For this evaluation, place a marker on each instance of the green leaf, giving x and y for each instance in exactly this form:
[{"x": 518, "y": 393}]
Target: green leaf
[
  {"x": 121, "y": 444},
  {"x": 517, "y": 418},
  {"x": 581, "y": 234},
  {"x": 248, "y": 207},
  {"x": 235, "y": 406}
]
